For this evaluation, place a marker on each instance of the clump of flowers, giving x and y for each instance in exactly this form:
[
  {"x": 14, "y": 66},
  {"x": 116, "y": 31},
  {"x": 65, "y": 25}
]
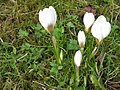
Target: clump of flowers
[{"x": 100, "y": 29}]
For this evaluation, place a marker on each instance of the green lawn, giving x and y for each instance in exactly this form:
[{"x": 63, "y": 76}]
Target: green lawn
[{"x": 27, "y": 59}]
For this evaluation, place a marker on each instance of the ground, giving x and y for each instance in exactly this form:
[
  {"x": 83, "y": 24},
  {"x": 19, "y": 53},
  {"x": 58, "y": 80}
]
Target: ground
[{"x": 27, "y": 59}]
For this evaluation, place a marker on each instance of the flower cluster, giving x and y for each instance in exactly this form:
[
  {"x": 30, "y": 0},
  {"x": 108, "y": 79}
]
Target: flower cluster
[{"x": 100, "y": 28}]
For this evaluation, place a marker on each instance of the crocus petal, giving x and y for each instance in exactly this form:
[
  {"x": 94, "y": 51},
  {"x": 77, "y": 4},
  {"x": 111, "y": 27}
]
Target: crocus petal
[
  {"x": 78, "y": 58},
  {"x": 106, "y": 29},
  {"x": 96, "y": 32},
  {"x": 54, "y": 13},
  {"x": 100, "y": 19},
  {"x": 81, "y": 38},
  {"x": 88, "y": 20},
  {"x": 42, "y": 19},
  {"x": 45, "y": 17}
]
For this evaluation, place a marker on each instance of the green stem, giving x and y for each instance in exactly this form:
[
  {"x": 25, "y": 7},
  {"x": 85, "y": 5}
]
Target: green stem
[
  {"x": 94, "y": 52},
  {"x": 56, "y": 50},
  {"x": 85, "y": 77},
  {"x": 77, "y": 74},
  {"x": 82, "y": 50}
]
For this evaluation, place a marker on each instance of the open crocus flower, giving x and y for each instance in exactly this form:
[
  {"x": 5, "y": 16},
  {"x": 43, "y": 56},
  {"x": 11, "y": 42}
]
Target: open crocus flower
[
  {"x": 78, "y": 58},
  {"x": 88, "y": 20},
  {"x": 47, "y": 18},
  {"x": 81, "y": 39},
  {"x": 101, "y": 28}
]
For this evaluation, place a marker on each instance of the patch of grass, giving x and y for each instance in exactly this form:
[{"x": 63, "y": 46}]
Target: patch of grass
[{"x": 26, "y": 53}]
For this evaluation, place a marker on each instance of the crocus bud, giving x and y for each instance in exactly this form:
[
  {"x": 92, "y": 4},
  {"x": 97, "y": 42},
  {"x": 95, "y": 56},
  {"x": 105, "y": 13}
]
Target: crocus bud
[
  {"x": 61, "y": 54},
  {"x": 47, "y": 18},
  {"x": 88, "y": 20},
  {"x": 101, "y": 28},
  {"x": 78, "y": 58},
  {"x": 81, "y": 39}
]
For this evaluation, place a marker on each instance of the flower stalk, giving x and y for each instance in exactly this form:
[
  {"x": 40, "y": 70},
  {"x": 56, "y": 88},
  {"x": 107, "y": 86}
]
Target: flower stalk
[
  {"x": 56, "y": 49},
  {"x": 77, "y": 74},
  {"x": 77, "y": 61},
  {"x": 47, "y": 18}
]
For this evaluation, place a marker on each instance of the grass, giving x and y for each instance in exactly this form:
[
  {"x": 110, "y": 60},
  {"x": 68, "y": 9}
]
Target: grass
[{"x": 27, "y": 60}]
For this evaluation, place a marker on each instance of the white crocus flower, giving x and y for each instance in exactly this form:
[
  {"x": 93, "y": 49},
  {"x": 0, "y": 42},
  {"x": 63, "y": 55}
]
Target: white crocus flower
[
  {"x": 78, "y": 58},
  {"x": 101, "y": 28},
  {"x": 47, "y": 18},
  {"x": 88, "y": 20},
  {"x": 81, "y": 38}
]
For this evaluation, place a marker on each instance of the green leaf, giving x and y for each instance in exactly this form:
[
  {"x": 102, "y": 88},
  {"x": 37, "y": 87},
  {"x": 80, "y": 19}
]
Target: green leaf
[
  {"x": 23, "y": 33},
  {"x": 5, "y": 44},
  {"x": 26, "y": 46},
  {"x": 37, "y": 53},
  {"x": 52, "y": 64},
  {"x": 73, "y": 45},
  {"x": 38, "y": 26},
  {"x": 54, "y": 70},
  {"x": 14, "y": 50},
  {"x": 94, "y": 80},
  {"x": 72, "y": 80},
  {"x": 61, "y": 83},
  {"x": 58, "y": 32},
  {"x": 60, "y": 67},
  {"x": 62, "y": 29},
  {"x": 70, "y": 24},
  {"x": 38, "y": 30},
  {"x": 114, "y": 27},
  {"x": 13, "y": 65},
  {"x": 108, "y": 1}
]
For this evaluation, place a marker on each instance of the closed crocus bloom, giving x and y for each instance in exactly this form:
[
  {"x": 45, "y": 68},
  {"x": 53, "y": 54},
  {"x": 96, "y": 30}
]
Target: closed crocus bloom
[
  {"x": 101, "y": 28},
  {"x": 88, "y": 20},
  {"x": 81, "y": 39},
  {"x": 47, "y": 18},
  {"x": 78, "y": 58}
]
